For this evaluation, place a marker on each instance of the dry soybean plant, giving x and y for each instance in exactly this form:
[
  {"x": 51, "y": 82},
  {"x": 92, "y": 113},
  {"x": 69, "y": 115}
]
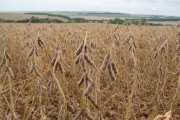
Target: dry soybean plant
[
  {"x": 82, "y": 59},
  {"x": 8, "y": 75},
  {"x": 66, "y": 73}
]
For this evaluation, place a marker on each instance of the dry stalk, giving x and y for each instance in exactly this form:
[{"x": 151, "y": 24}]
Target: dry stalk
[
  {"x": 6, "y": 59},
  {"x": 94, "y": 103},
  {"x": 55, "y": 78},
  {"x": 78, "y": 115},
  {"x": 61, "y": 114}
]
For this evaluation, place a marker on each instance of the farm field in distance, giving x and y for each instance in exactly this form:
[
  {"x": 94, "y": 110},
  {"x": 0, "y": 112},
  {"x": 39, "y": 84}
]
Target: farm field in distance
[
  {"x": 108, "y": 15},
  {"x": 89, "y": 71},
  {"x": 165, "y": 22},
  {"x": 22, "y": 16}
]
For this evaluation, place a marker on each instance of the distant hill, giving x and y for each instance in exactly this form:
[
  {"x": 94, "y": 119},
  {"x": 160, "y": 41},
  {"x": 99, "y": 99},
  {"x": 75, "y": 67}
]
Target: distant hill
[
  {"x": 112, "y": 15},
  {"x": 158, "y": 19},
  {"x": 70, "y": 16}
]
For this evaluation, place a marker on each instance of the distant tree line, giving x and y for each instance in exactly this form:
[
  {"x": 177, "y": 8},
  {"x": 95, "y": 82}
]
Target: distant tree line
[
  {"x": 50, "y": 14},
  {"x": 33, "y": 20},
  {"x": 133, "y": 21}
]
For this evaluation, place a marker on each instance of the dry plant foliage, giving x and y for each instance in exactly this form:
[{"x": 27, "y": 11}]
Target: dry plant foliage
[{"x": 89, "y": 72}]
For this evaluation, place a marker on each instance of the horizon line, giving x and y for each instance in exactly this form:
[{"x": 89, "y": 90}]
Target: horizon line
[{"x": 26, "y": 11}]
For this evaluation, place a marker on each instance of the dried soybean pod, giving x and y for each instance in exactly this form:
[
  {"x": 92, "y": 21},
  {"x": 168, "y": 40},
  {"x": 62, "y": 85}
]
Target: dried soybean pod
[
  {"x": 8, "y": 55},
  {"x": 31, "y": 52},
  {"x": 106, "y": 61},
  {"x": 88, "y": 78},
  {"x": 40, "y": 42},
  {"x": 77, "y": 60},
  {"x": 111, "y": 73},
  {"x": 79, "y": 50},
  {"x": 85, "y": 48},
  {"x": 86, "y": 57},
  {"x": 83, "y": 64},
  {"x": 36, "y": 50},
  {"x": 80, "y": 82},
  {"x": 56, "y": 66},
  {"x": 61, "y": 68},
  {"x": 10, "y": 72},
  {"x": 37, "y": 66},
  {"x": 89, "y": 88},
  {"x": 54, "y": 59},
  {"x": 93, "y": 102},
  {"x": 36, "y": 71},
  {"x": 114, "y": 67}
]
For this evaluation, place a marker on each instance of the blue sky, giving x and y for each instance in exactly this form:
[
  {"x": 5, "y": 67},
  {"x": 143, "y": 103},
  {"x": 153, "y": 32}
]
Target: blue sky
[{"x": 158, "y": 7}]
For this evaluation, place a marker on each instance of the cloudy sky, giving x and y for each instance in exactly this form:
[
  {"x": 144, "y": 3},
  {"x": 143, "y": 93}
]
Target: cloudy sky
[{"x": 158, "y": 7}]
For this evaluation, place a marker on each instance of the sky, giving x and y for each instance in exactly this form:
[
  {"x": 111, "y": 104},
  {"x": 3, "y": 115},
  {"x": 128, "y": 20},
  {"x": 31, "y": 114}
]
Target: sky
[{"x": 155, "y": 7}]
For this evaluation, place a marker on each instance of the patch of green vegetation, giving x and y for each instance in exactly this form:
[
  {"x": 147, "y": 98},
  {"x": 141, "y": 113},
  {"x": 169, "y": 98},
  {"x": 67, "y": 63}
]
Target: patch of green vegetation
[
  {"x": 34, "y": 20},
  {"x": 7, "y": 21},
  {"x": 116, "y": 21},
  {"x": 50, "y": 14}
]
